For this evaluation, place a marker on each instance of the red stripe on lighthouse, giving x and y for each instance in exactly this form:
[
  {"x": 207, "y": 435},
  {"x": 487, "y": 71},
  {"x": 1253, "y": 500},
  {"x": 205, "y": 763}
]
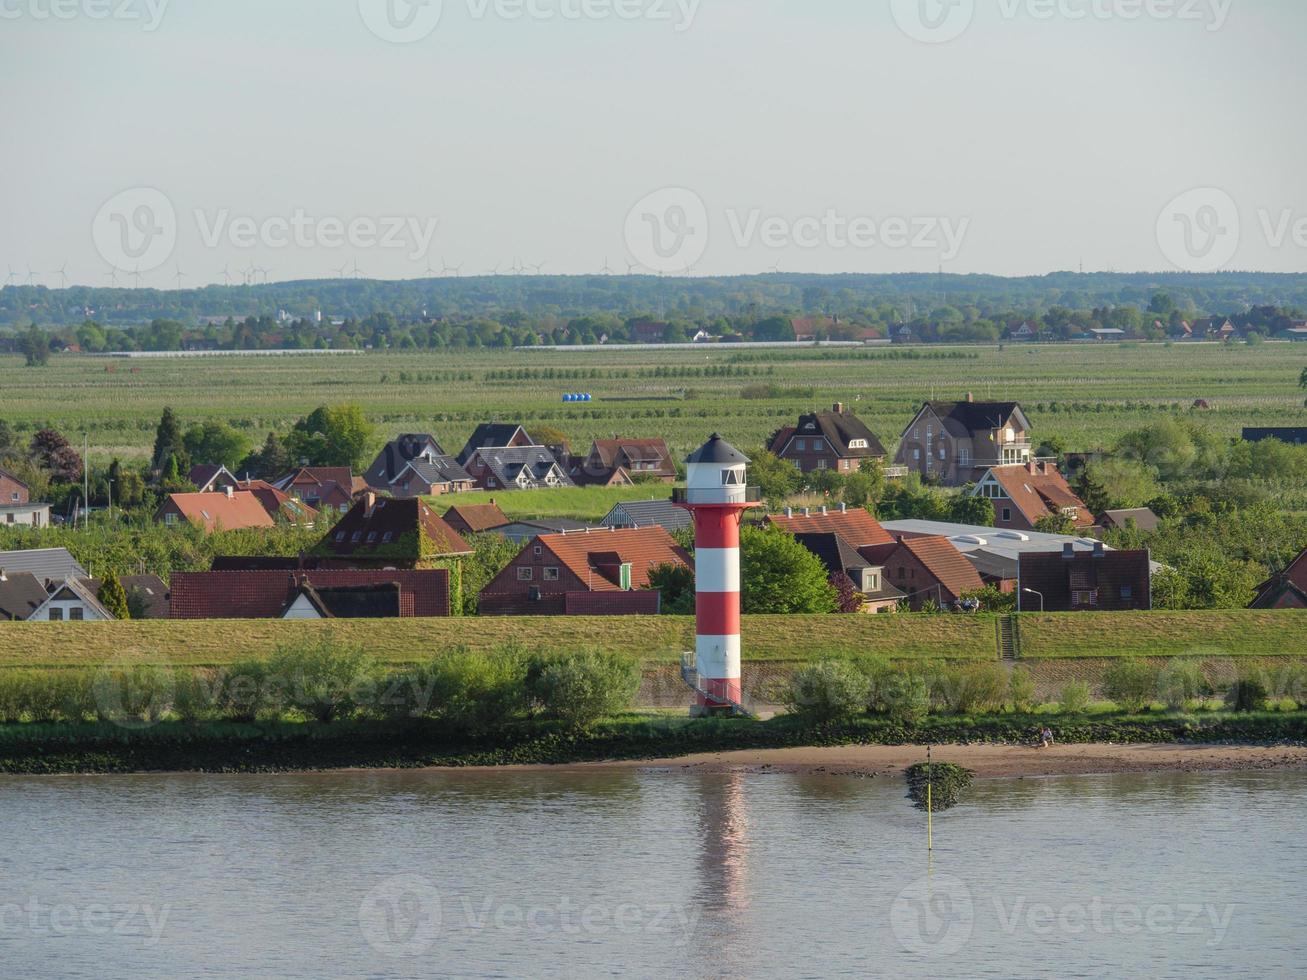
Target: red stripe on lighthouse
[
  {"x": 716, "y": 528},
  {"x": 717, "y": 614}
]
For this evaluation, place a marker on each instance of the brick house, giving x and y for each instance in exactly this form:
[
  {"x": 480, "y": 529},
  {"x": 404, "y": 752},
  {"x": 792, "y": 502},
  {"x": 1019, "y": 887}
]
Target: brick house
[
  {"x": 925, "y": 569},
  {"x": 1287, "y": 590},
  {"x": 229, "y": 510},
  {"x": 380, "y": 532},
  {"x": 476, "y": 518},
  {"x": 279, "y": 506},
  {"x": 836, "y": 440},
  {"x": 310, "y": 594},
  {"x": 1022, "y": 495},
  {"x": 868, "y": 577},
  {"x": 952, "y": 443},
  {"x": 414, "y": 465},
  {"x": 516, "y": 468},
  {"x": 1079, "y": 581},
  {"x": 13, "y": 490},
  {"x": 601, "y": 572},
  {"x": 643, "y": 458},
  {"x": 16, "y": 505},
  {"x": 322, "y": 487}
]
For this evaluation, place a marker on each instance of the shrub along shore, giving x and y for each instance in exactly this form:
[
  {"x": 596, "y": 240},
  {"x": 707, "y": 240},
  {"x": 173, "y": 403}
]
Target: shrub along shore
[{"x": 326, "y": 703}]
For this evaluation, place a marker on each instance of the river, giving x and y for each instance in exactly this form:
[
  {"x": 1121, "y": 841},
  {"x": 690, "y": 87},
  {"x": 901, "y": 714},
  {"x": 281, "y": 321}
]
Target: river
[{"x": 648, "y": 874}]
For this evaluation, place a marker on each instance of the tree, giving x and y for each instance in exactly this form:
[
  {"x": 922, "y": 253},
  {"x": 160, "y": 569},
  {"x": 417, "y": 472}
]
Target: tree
[
  {"x": 491, "y": 554},
  {"x": 8, "y": 438},
  {"x": 992, "y": 599},
  {"x": 976, "y": 511},
  {"x": 847, "y": 597},
  {"x": 35, "y": 347},
  {"x": 676, "y": 583},
  {"x": 776, "y": 478},
  {"x": 1092, "y": 492},
  {"x": 113, "y": 597},
  {"x": 269, "y": 462},
  {"x": 331, "y": 436},
  {"x": 779, "y": 575},
  {"x": 548, "y": 435},
  {"x": 217, "y": 443},
  {"x": 1058, "y": 523},
  {"x": 168, "y": 441},
  {"x": 52, "y": 453}
]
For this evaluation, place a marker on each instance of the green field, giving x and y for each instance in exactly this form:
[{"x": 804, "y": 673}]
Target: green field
[
  {"x": 661, "y": 640},
  {"x": 1086, "y": 395}
]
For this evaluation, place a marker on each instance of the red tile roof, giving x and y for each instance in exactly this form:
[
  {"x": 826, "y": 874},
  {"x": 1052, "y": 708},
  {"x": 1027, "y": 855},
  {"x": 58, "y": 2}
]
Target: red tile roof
[
  {"x": 856, "y": 526},
  {"x": 1039, "y": 490},
  {"x": 948, "y": 565},
  {"x": 218, "y": 510},
  {"x": 644, "y": 549},
  {"x": 277, "y": 503},
  {"x": 264, "y": 594},
  {"x": 476, "y": 518}
]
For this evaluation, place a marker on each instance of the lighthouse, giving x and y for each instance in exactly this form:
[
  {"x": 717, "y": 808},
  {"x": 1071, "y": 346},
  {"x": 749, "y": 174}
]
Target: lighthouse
[{"x": 717, "y": 495}]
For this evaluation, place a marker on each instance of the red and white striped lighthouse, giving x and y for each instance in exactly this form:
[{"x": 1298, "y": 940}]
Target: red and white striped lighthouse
[{"x": 717, "y": 496}]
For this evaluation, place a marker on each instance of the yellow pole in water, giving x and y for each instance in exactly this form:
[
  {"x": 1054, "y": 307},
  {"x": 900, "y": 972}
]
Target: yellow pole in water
[{"x": 930, "y": 817}]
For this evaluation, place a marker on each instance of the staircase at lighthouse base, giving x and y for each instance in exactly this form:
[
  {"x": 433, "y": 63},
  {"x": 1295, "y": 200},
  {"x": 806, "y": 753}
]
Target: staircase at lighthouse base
[{"x": 711, "y": 702}]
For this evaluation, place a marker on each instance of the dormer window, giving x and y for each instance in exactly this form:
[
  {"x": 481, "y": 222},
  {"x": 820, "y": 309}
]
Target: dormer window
[
  {"x": 857, "y": 443},
  {"x": 732, "y": 478}
]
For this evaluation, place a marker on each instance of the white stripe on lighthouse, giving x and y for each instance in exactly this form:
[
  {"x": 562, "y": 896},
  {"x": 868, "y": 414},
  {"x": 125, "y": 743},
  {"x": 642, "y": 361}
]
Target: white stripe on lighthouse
[
  {"x": 717, "y": 657},
  {"x": 717, "y": 569}
]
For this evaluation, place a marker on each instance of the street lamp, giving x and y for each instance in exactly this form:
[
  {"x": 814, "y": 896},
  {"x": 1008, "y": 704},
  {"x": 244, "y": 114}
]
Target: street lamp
[{"x": 1041, "y": 597}]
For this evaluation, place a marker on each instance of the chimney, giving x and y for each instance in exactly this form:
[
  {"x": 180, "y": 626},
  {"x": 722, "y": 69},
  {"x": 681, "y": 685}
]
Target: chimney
[
  {"x": 824, "y": 510},
  {"x": 1068, "y": 551},
  {"x": 230, "y": 491},
  {"x": 844, "y": 508},
  {"x": 970, "y": 398},
  {"x": 369, "y": 504},
  {"x": 807, "y": 512},
  {"x": 789, "y": 511},
  {"x": 839, "y": 408},
  {"x": 1100, "y": 550}
]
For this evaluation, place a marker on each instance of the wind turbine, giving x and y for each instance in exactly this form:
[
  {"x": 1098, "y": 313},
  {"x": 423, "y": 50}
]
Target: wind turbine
[
  {"x": 607, "y": 270},
  {"x": 631, "y": 267},
  {"x": 179, "y": 276},
  {"x": 356, "y": 272},
  {"x": 13, "y": 276},
  {"x": 265, "y": 272},
  {"x": 251, "y": 273},
  {"x": 62, "y": 273},
  {"x": 538, "y": 266},
  {"x": 340, "y": 273},
  {"x": 430, "y": 271},
  {"x": 226, "y": 273},
  {"x": 446, "y": 267},
  {"x": 31, "y": 276},
  {"x": 136, "y": 273},
  {"x": 112, "y": 275}
]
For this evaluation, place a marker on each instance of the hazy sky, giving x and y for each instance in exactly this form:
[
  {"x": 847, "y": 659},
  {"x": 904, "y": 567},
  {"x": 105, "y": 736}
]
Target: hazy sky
[{"x": 300, "y": 136}]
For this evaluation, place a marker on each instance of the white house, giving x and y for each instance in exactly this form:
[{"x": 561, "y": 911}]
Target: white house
[{"x": 72, "y": 601}]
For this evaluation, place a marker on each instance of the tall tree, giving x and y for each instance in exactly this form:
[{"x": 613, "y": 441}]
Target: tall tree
[
  {"x": 113, "y": 597},
  {"x": 51, "y": 451},
  {"x": 169, "y": 441},
  {"x": 217, "y": 443},
  {"x": 35, "y": 346},
  {"x": 338, "y": 435}
]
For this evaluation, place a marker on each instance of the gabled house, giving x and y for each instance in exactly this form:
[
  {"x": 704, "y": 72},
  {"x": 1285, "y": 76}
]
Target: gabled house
[
  {"x": 230, "y": 510},
  {"x": 494, "y": 435},
  {"x": 648, "y": 513},
  {"x": 647, "y": 331},
  {"x": 1023, "y": 495},
  {"x": 70, "y": 600},
  {"x": 16, "y": 505},
  {"x": 638, "y": 458},
  {"x": 414, "y": 465},
  {"x": 952, "y": 443},
  {"x": 44, "y": 563},
  {"x": 584, "y": 573},
  {"x": 854, "y": 525},
  {"x": 926, "y": 569},
  {"x": 1215, "y": 328},
  {"x": 388, "y": 533},
  {"x": 319, "y": 593},
  {"x": 868, "y": 578},
  {"x": 322, "y": 487},
  {"x": 836, "y": 440},
  {"x": 211, "y": 477},
  {"x": 1078, "y": 581},
  {"x": 517, "y": 468},
  {"x": 279, "y": 506},
  {"x": 476, "y": 518},
  {"x": 1141, "y": 518},
  {"x": 21, "y": 595},
  {"x": 1285, "y": 590},
  {"x": 1027, "y": 332}
]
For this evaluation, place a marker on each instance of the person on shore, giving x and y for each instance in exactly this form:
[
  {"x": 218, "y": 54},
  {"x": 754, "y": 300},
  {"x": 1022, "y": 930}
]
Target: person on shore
[{"x": 1046, "y": 738}]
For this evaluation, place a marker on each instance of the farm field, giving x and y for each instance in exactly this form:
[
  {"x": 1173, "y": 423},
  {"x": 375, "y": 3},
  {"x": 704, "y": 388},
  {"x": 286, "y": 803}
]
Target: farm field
[
  {"x": 661, "y": 640},
  {"x": 1087, "y": 395}
]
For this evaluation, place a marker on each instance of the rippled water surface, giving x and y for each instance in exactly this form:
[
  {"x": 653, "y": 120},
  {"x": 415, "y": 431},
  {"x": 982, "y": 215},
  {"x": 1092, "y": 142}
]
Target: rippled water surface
[{"x": 649, "y": 874}]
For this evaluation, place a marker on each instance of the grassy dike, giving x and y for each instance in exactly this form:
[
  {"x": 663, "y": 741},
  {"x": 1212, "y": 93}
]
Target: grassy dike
[
  {"x": 285, "y": 747},
  {"x": 660, "y": 640}
]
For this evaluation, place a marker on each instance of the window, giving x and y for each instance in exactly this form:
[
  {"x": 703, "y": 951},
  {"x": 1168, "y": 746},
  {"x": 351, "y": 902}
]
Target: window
[
  {"x": 76, "y": 613},
  {"x": 539, "y": 550},
  {"x": 732, "y": 478},
  {"x": 356, "y": 537},
  {"x": 170, "y": 519},
  {"x": 1127, "y": 592},
  {"x": 964, "y": 457},
  {"x": 823, "y": 464},
  {"x": 857, "y": 443},
  {"x": 385, "y": 538},
  {"x": 343, "y": 508},
  {"x": 799, "y": 444},
  {"x": 1007, "y": 513},
  {"x": 525, "y": 574},
  {"x": 56, "y": 614},
  {"x": 818, "y": 445},
  {"x": 626, "y": 576},
  {"x": 942, "y": 454},
  {"x": 549, "y": 574},
  {"x": 14, "y": 496},
  {"x": 372, "y": 536},
  {"x": 916, "y": 454},
  {"x": 340, "y": 536}
]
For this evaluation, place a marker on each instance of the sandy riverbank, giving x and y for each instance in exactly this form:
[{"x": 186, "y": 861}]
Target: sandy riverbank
[{"x": 985, "y": 760}]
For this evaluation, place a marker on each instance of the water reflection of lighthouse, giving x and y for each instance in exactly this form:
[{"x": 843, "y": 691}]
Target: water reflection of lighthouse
[
  {"x": 724, "y": 845},
  {"x": 717, "y": 495}
]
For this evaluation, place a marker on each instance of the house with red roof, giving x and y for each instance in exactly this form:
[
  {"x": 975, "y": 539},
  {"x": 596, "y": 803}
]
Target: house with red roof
[
  {"x": 1023, "y": 495},
  {"x": 610, "y": 459},
  {"x": 381, "y": 532},
  {"x": 279, "y": 506},
  {"x": 210, "y": 477},
  {"x": 228, "y": 510},
  {"x": 584, "y": 573},
  {"x": 1285, "y": 590},
  {"x": 855, "y": 525},
  {"x": 322, "y": 487},
  {"x": 925, "y": 569},
  {"x": 476, "y": 518},
  {"x": 317, "y": 593},
  {"x": 836, "y": 440}
]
